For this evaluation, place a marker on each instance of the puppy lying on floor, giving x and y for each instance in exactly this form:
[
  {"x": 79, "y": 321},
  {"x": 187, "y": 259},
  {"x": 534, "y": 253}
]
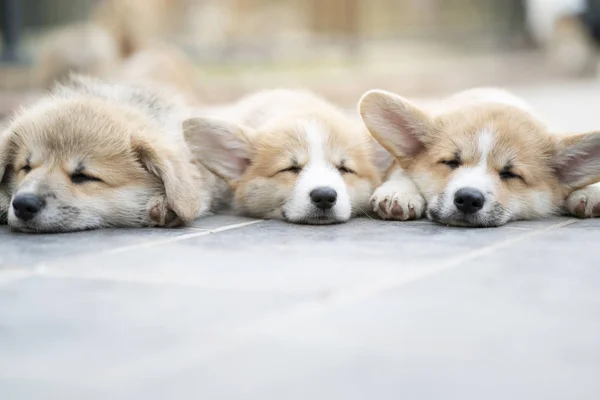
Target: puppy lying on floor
[
  {"x": 481, "y": 158},
  {"x": 94, "y": 155},
  {"x": 290, "y": 155}
]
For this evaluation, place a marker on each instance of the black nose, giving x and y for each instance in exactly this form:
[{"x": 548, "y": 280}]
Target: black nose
[
  {"x": 323, "y": 197},
  {"x": 27, "y": 206},
  {"x": 469, "y": 200}
]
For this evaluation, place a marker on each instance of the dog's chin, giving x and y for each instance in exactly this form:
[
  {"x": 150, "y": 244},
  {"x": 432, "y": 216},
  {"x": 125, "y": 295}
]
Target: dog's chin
[
  {"x": 315, "y": 218},
  {"x": 36, "y": 227},
  {"x": 460, "y": 219}
]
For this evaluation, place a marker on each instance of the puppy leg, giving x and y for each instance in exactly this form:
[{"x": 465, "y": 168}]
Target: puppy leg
[
  {"x": 398, "y": 198},
  {"x": 585, "y": 203},
  {"x": 161, "y": 214}
]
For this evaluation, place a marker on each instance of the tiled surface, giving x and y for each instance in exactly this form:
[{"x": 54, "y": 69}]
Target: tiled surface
[
  {"x": 235, "y": 308},
  {"x": 267, "y": 310}
]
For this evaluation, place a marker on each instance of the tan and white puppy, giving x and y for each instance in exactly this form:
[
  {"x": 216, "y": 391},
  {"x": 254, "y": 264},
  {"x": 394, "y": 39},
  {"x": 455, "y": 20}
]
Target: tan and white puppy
[
  {"x": 481, "y": 158},
  {"x": 94, "y": 155},
  {"x": 289, "y": 155}
]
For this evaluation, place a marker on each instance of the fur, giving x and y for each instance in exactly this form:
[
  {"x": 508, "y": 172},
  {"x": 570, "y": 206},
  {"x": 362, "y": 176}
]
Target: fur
[
  {"x": 486, "y": 140},
  {"x": 103, "y": 155},
  {"x": 276, "y": 147}
]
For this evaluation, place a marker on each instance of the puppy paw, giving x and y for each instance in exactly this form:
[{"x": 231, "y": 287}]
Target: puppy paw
[
  {"x": 584, "y": 203},
  {"x": 393, "y": 205},
  {"x": 161, "y": 214}
]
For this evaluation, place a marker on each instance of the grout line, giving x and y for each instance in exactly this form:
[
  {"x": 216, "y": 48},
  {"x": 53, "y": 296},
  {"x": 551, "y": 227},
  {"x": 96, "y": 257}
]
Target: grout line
[
  {"x": 234, "y": 226},
  {"x": 199, "y": 233},
  {"x": 43, "y": 267},
  {"x": 312, "y": 307},
  {"x": 269, "y": 325},
  {"x": 9, "y": 275}
]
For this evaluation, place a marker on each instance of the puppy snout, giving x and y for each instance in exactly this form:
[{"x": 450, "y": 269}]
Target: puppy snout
[
  {"x": 323, "y": 198},
  {"x": 27, "y": 206},
  {"x": 469, "y": 200}
]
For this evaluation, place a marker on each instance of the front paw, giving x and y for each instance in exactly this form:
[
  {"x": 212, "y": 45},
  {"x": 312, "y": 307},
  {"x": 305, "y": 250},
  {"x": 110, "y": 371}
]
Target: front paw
[
  {"x": 392, "y": 205},
  {"x": 584, "y": 203},
  {"x": 161, "y": 214}
]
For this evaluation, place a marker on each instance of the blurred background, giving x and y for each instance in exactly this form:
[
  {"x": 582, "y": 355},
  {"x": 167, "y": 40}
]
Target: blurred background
[{"x": 339, "y": 48}]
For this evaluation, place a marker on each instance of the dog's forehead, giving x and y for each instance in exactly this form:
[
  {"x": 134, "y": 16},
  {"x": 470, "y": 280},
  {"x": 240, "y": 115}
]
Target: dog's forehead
[
  {"x": 74, "y": 130},
  {"x": 495, "y": 132},
  {"x": 309, "y": 138}
]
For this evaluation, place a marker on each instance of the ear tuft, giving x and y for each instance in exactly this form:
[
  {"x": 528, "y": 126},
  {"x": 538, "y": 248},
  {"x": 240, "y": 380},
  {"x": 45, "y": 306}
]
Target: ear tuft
[
  {"x": 577, "y": 160},
  {"x": 221, "y": 146},
  {"x": 395, "y": 122}
]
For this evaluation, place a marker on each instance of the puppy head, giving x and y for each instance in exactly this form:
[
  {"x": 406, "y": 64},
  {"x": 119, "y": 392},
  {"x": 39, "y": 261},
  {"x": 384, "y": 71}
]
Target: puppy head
[
  {"x": 482, "y": 166},
  {"x": 81, "y": 164},
  {"x": 315, "y": 169}
]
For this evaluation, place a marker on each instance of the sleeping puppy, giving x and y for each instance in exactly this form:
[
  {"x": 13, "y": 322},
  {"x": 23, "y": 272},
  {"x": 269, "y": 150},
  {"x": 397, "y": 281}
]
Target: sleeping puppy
[
  {"x": 481, "y": 158},
  {"x": 94, "y": 155},
  {"x": 290, "y": 155}
]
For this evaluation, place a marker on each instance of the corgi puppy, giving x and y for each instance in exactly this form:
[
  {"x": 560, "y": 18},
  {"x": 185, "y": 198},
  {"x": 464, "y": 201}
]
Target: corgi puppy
[
  {"x": 94, "y": 155},
  {"x": 481, "y": 158},
  {"x": 289, "y": 155}
]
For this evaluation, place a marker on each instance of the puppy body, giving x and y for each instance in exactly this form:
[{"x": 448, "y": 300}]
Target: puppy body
[
  {"x": 479, "y": 158},
  {"x": 95, "y": 155},
  {"x": 289, "y": 155}
]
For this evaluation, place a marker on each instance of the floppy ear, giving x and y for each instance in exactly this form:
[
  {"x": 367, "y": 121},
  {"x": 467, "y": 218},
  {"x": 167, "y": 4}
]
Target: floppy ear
[
  {"x": 577, "y": 160},
  {"x": 395, "y": 123},
  {"x": 179, "y": 176},
  {"x": 7, "y": 151},
  {"x": 221, "y": 146},
  {"x": 7, "y": 147}
]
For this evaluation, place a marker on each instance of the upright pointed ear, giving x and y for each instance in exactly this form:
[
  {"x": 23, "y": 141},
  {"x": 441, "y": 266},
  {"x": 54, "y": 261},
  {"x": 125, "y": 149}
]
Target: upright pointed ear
[
  {"x": 221, "y": 146},
  {"x": 398, "y": 125},
  {"x": 577, "y": 160},
  {"x": 179, "y": 176}
]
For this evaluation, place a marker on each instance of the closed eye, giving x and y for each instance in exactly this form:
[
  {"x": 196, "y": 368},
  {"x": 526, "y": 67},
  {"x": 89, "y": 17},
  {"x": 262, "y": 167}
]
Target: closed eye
[
  {"x": 452, "y": 164},
  {"x": 294, "y": 169},
  {"x": 506, "y": 175},
  {"x": 345, "y": 170},
  {"x": 79, "y": 178},
  {"x": 26, "y": 169}
]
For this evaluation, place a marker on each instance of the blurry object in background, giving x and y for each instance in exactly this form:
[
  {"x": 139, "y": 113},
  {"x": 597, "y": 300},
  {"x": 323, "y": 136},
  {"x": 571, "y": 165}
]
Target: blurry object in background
[
  {"x": 163, "y": 66},
  {"x": 542, "y": 15},
  {"x": 115, "y": 30},
  {"x": 571, "y": 49},
  {"x": 82, "y": 48},
  {"x": 138, "y": 24},
  {"x": 10, "y": 13},
  {"x": 339, "y": 48},
  {"x": 591, "y": 19},
  {"x": 568, "y": 31}
]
